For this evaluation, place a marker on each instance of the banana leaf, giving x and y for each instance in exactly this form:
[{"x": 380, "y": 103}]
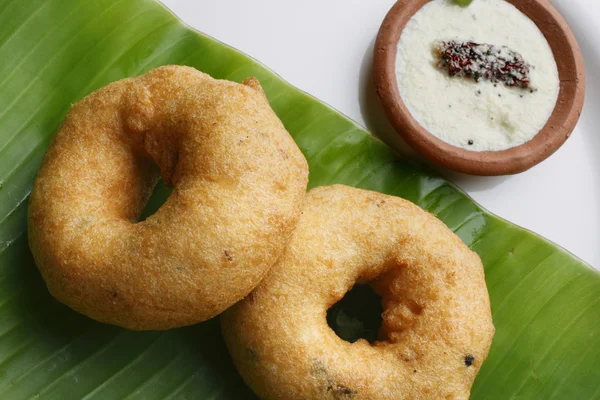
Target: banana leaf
[{"x": 545, "y": 301}]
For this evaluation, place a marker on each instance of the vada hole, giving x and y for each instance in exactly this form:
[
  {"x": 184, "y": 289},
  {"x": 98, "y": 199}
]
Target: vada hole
[
  {"x": 160, "y": 194},
  {"x": 357, "y": 315}
]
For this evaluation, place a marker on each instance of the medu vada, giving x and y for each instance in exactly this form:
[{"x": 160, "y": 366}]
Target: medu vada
[
  {"x": 238, "y": 178},
  {"x": 436, "y": 325}
]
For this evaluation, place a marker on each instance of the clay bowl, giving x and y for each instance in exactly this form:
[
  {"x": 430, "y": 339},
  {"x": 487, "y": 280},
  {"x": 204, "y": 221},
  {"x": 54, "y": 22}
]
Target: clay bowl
[{"x": 511, "y": 161}]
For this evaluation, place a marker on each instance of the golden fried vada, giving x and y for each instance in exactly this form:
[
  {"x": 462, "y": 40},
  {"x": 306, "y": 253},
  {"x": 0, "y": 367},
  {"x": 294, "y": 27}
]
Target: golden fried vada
[
  {"x": 437, "y": 325},
  {"x": 239, "y": 183}
]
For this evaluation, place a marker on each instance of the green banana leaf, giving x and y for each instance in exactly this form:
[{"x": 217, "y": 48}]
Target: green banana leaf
[{"x": 546, "y": 302}]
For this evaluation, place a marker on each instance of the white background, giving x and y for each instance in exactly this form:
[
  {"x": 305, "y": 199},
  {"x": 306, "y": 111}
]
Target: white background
[{"x": 324, "y": 47}]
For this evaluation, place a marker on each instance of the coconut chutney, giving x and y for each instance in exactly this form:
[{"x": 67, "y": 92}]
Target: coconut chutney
[{"x": 478, "y": 115}]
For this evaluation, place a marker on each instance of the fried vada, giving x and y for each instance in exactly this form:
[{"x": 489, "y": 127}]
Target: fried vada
[
  {"x": 436, "y": 325},
  {"x": 238, "y": 180}
]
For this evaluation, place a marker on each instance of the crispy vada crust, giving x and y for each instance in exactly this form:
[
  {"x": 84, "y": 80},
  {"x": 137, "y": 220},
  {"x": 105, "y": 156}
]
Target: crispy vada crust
[
  {"x": 437, "y": 325},
  {"x": 239, "y": 183}
]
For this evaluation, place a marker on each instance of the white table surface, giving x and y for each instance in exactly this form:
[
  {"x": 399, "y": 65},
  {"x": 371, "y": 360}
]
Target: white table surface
[{"x": 324, "y": 47}]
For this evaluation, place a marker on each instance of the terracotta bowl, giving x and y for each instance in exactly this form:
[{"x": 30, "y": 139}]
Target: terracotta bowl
[{"x": 511, "y": 161}]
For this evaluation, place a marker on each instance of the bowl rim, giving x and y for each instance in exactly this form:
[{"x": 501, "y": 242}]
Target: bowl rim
[{"x": 516, "y": 159}]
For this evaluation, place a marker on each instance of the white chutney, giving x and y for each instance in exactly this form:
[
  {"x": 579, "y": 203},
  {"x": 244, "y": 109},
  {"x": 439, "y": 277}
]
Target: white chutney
[{"x": 478, "y": 116}]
